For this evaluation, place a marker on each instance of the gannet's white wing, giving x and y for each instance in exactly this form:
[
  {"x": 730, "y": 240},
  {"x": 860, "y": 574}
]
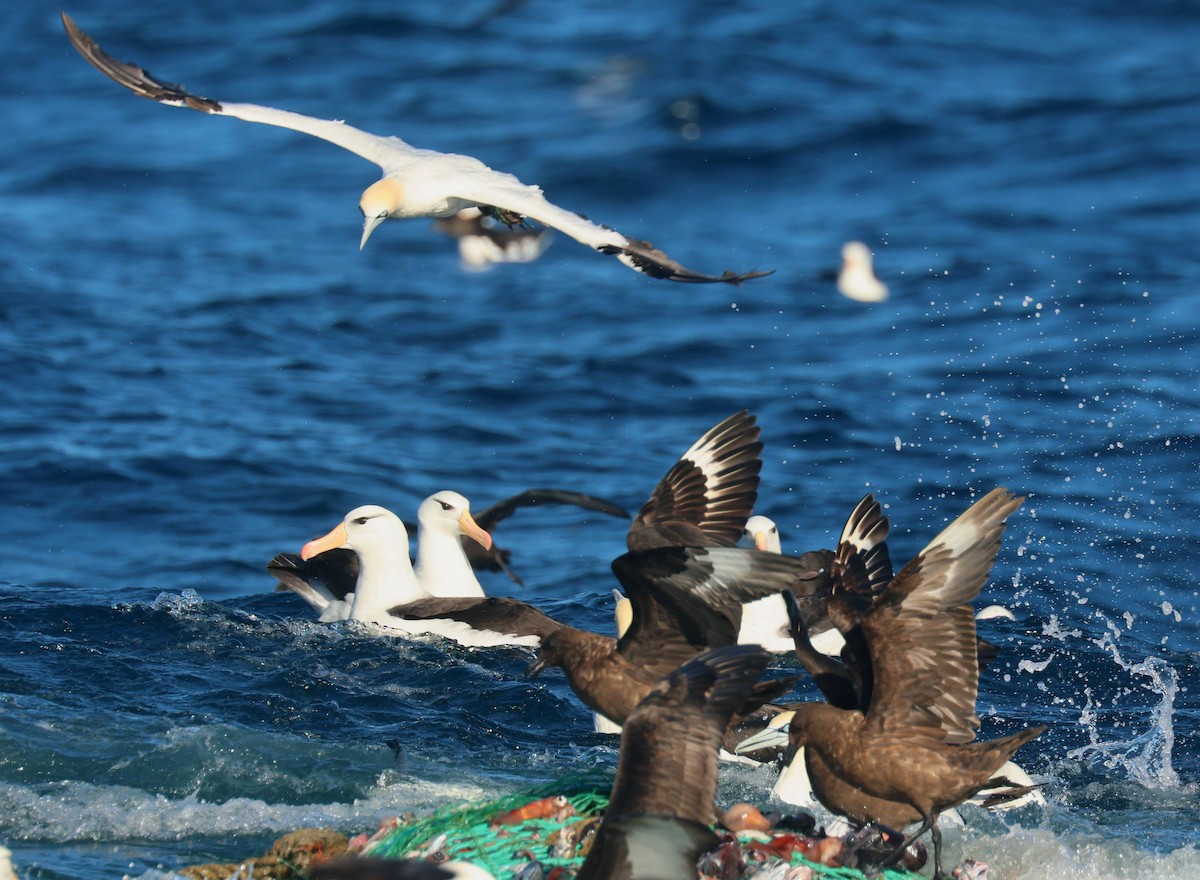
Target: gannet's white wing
[
  {"x": 383, "y": 151},
  {"x": 507, "y": 194},
  {"x": 439, "y": 183}
]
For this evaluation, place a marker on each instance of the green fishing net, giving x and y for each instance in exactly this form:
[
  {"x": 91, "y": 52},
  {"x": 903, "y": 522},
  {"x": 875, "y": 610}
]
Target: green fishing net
[{"x": 470, "y": 835}]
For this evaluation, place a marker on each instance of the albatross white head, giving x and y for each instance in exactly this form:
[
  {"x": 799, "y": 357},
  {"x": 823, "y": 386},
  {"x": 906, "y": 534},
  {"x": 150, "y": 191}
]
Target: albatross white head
[
  {"x": 450, "y": 513},
  {"x": 442, "y": 565},
  {"x": 385, "y": 575},
  {"x": 380, "y": 200},
  {"x": 763, "y": 533},
  {"x": 364, "y": 530}
]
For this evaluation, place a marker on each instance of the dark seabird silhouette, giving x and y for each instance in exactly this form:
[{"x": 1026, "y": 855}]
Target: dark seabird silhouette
[
  {"x": 685, "y": 600},
  {"x": 910, "y": 754},
  {"x": 657, "y": 822},
  {"x": 683, "y": 575}
]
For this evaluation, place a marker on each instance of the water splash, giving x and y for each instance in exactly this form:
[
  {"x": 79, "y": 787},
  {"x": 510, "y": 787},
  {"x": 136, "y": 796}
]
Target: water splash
[
  {"x": 178, "y": 603},
  {"x": 1146, "y": 758}
]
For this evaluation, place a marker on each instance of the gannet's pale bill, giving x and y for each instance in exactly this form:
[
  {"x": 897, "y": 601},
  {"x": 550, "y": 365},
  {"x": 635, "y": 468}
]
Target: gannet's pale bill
[
  {"x": 415, "y": 183},
  {"x": 369, "y": 225},
  {"x": 379, "y": 201}
]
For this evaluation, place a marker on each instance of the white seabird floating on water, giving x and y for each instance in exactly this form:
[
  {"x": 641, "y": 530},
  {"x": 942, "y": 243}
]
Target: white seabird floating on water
[
  {"x": 856, "y": 279},
  {"x": 415, "y": 182},
  {"x": 765, "y": 621},
  {"x": 387, "y": 586}
]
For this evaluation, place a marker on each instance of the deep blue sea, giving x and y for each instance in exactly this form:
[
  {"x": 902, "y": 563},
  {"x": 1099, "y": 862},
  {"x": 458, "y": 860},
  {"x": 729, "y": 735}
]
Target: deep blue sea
[{"x": 199, "y": 369}]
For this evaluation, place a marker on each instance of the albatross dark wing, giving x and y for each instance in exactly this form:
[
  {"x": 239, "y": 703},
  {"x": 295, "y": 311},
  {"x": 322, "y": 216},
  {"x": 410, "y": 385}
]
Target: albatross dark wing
[
  {"x": 497, "y": 558},
  {"x": 337, "y": 569},
  {"x": 706, "y": 497},
  {"x": 488, "y": 518},
  {"x": 494, "y": 614}
]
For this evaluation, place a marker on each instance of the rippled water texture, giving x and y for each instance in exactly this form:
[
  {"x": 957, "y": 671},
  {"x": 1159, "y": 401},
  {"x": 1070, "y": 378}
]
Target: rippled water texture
[{"x": 199, "y": 370}]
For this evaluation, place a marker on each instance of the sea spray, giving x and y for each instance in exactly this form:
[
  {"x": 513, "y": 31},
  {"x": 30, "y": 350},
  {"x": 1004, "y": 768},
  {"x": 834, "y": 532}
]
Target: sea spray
[{"x": 1145, "y": 758}]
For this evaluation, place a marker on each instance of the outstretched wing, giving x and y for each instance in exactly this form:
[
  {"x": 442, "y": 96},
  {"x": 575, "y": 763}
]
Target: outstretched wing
[
  {"x": 488, "y": 518},
  {"x": 509, "y": 195},
  {"x": 921, "y": 632},
  {"x": 476, "y": 183},
  {"x": 383, "y": 151},
  {"x": 688, "y": 599},
  {"x": 496, "y": 558},
  {"x": 706, "y": 497}
]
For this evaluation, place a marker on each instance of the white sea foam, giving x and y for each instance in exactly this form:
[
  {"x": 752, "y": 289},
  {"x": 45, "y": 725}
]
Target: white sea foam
[
  {"x": 81, "y": 811},
  {"x": 1039, "y": 853}
]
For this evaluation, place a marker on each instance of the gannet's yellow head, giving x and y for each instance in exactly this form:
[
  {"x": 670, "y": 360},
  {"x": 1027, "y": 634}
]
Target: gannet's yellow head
[{"x": 379, "y": 201}]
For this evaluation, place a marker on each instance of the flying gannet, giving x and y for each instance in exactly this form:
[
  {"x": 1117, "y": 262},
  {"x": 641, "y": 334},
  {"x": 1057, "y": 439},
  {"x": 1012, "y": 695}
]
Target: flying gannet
[{"x": 415, "y": 182}]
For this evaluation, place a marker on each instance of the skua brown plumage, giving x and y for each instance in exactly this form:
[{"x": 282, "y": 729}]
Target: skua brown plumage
[
  {"x": 662, "y": 801},
  {"x": 685, "y": 600},
  {"x": 911, "y": 752}
]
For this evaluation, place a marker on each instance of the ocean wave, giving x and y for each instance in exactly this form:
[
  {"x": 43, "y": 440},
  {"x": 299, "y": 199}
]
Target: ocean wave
[{"x": 82, "y": 811}]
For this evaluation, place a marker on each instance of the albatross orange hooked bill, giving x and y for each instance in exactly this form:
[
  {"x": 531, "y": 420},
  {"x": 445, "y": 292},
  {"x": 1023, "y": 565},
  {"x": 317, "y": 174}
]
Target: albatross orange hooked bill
[{"x": 415, "y": 182}]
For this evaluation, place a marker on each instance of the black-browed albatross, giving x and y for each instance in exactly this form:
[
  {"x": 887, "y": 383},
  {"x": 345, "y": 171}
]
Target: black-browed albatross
[
  {"x": 415, "y": 182},
  {"x": 327, "y": 580}
]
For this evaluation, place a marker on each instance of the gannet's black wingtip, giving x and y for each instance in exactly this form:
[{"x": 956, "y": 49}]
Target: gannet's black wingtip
[
  {"x": 132, "y": 77},
  {"x": 644, "y": 257},
  {"x": 735, "y": 278}
]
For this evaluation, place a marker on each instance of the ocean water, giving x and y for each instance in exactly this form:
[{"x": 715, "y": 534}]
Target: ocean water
[{"x": 198, "y": 369}]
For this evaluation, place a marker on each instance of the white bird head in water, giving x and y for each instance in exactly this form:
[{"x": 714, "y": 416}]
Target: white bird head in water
[
  {"x": 762, "y": 532},
  {"x": 362, "y": 529},
  {"x": 450, "y": 512}
]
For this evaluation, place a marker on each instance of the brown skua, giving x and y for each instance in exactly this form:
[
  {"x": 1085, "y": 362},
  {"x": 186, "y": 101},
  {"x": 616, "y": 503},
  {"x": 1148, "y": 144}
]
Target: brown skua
[
  {"x": 911, "y": 752},
  {"x": 663, "y": 799}
]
